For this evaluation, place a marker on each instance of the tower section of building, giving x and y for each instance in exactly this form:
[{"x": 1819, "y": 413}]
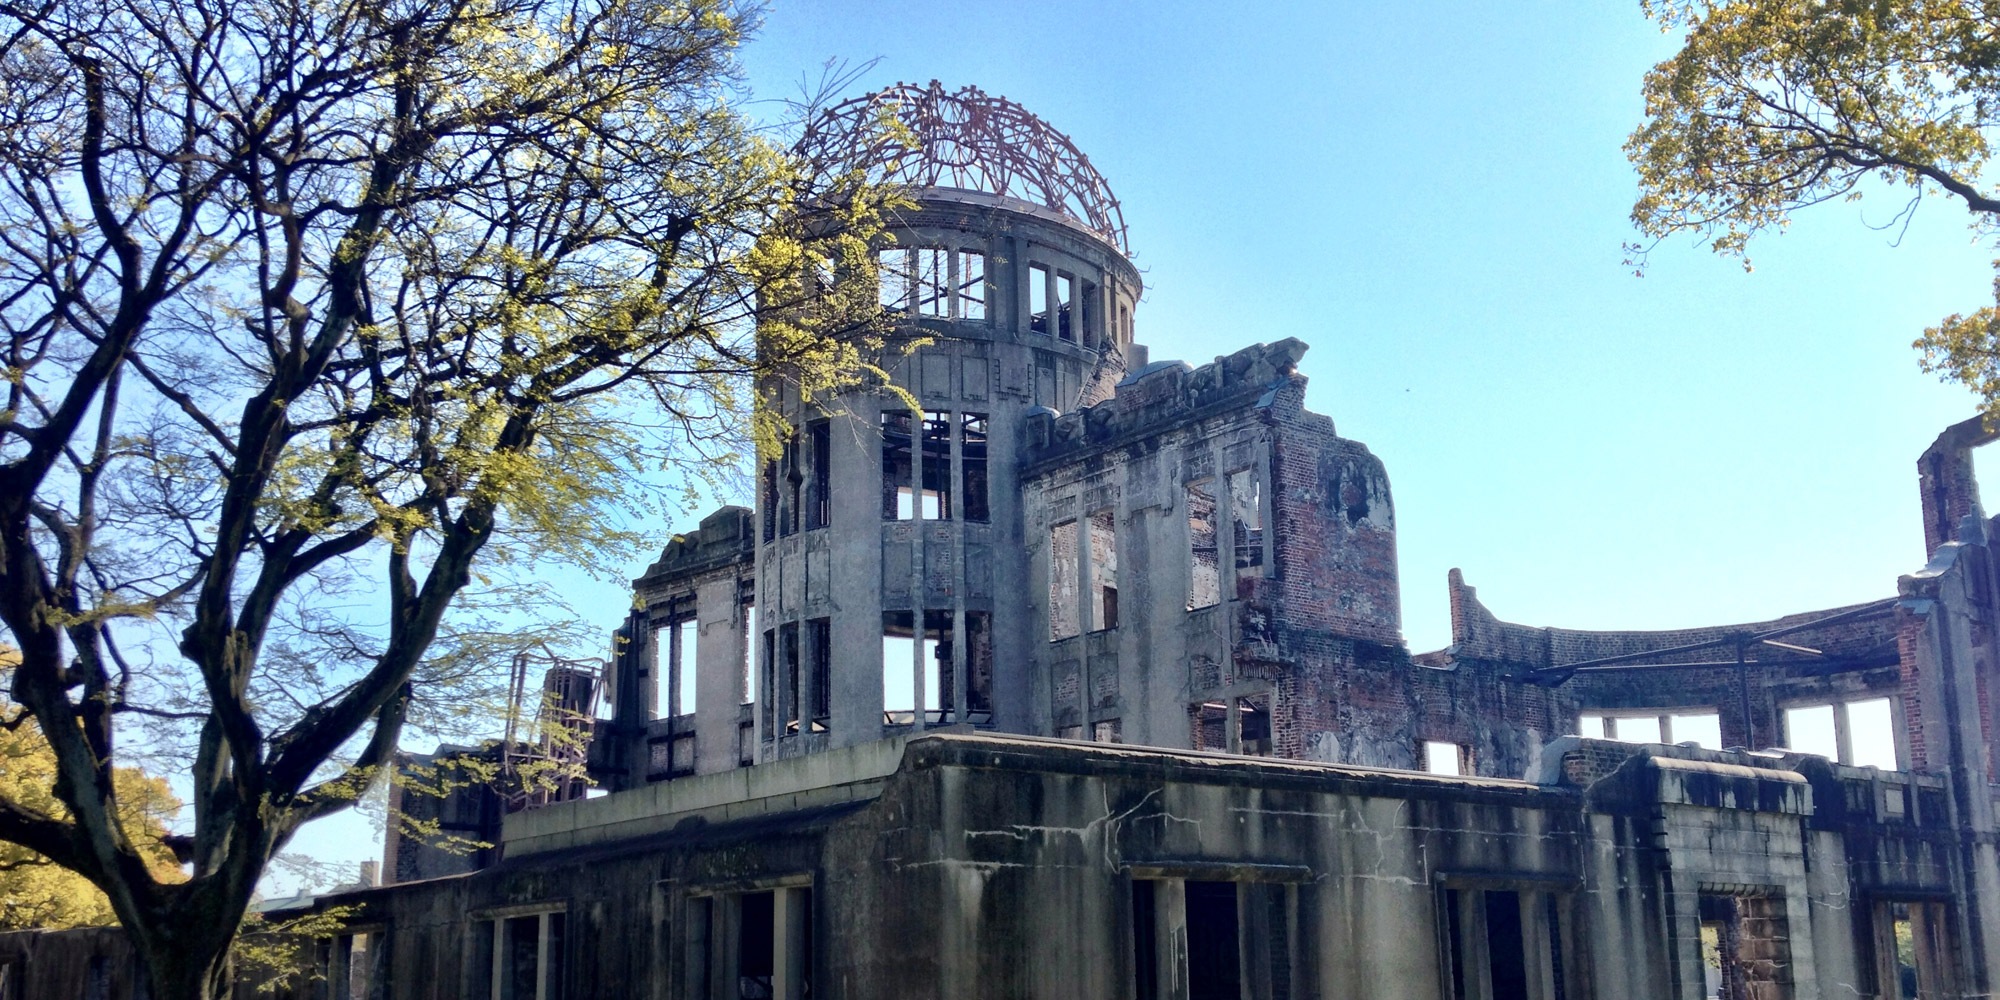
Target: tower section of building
[{"x": 891, "y": 595}]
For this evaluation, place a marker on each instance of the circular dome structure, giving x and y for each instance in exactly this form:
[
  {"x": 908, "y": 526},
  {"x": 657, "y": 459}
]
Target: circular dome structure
[{"x": 970, "y": 140}]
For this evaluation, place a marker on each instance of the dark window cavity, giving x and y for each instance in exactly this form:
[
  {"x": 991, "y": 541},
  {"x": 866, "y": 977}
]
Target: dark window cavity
[
  {"x": 972, "y": 463},
  {"x": 819, "y": 489},
  {"x": 1215, "y": 957},
  {"x": 937, "y": 466}
]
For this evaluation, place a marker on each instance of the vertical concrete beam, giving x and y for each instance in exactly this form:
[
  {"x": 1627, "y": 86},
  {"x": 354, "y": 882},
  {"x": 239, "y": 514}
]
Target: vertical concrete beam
[{"x": 717, "y": 660}]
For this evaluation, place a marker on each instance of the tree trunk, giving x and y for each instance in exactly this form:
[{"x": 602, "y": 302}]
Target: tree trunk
[{"x": 187, "y": 959}]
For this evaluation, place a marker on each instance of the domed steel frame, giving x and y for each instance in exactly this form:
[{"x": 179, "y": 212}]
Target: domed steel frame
[{"x": 966, "y": 139}]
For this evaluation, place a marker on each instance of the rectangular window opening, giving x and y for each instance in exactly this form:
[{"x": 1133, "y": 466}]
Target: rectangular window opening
[
  {"x": 1913, "y": 950},
  {"x": 748, "y": 636},
  {"x": 971, "y": 285},
  {"x": 1062, "y": 581},
  {"x": 899, "y": 692},
  {"x": 769, "y": 490},
  {"x": 819, "y": 636},
  {"x": 936, "y": 667},
  {"x": 686, "y": 657},
  {"x": 1504, "y": 944},
  {"x": 1103, "y": 571},
  {"x": 1205, "y": 584},
  {"x": 898, "y": 472},
  {"x": 788, "y": 676},
  {"x": 1211, "y": 725},
  {"x": 1810, "y": 729},
  {"x": 1215, "y": 958},
  {"x": 1253, "y": 725},
  {"x": 893, "y": 271},
  {"x": 1246, "y": 516},
  {"x": 794, "y": 480},
  {"x": 1441, "y": 757},
  {"x": 756, "y": 945},
  {"x": 972, "y": 463},
  {"x": 978, "y": 667},
  {"x": 1745, "y": 947},
  {"x": 937, "y": 466},
  {"x": 819, "y": 491},
  {"x": 933, "y": 282},
  {"x": 1038, "y": 299},
  {"x": 1065, "y": 307}
]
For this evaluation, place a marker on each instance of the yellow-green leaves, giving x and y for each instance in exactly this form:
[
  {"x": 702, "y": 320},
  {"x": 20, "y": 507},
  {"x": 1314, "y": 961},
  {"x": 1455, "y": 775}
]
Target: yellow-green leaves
[{"x": 1773, "y": 105}]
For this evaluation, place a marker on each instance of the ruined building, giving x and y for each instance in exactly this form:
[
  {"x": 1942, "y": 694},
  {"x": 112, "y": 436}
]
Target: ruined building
[{"x": 1087, "y": 679}]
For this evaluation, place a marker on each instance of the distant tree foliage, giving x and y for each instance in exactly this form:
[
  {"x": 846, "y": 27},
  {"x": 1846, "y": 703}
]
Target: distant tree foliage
[
  {"x": 1774, "y": 105},
  {"x": 35, "y": 891},
  {"x": 322, "y": 321}
]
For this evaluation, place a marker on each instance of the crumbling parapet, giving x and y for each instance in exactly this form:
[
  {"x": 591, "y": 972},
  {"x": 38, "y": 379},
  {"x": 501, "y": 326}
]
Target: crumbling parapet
[{"x": 1945, "y": 480}]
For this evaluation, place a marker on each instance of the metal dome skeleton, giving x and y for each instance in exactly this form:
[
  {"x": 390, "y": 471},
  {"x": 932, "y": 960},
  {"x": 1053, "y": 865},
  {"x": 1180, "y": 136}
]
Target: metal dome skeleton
[{"x": 966, "y": 139}]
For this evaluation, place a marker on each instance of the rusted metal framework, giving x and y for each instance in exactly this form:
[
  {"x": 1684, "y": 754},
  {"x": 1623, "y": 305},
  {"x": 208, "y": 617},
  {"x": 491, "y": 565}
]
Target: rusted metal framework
[
  {"x": 546, "y": 763},
  {"x": 965, "y": 139}
]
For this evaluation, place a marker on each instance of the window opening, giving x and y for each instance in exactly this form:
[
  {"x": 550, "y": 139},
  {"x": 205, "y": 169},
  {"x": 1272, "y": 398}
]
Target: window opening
[
  {"x": 1441, "y": 757},
  {"x": 749, "y": 656},
  {"x": 1253, "y": 725},
  {"x": 1861, "y": 732},
  {"x": 819, "y": 641},
  {"x": 788, "y": 672},
  {"x": 1062, "y": 581},
  {"x": 1745, "y": 948},
  {"x": 767, "y": 709},
  {"x": 1038, "y": 299},
  {"x": 937, "y": 466},
  {"x": 756, "y": 945},
  {"x": 936, "y": 666},
  {"x": 1215, "y": 959},
  {"x": 1912, "y": 950},
  {"x": 893, "y": 269},
  {"x": 933, "y": 282},
  {"x": 1124, "y": 325},
  {"x": 979, "y": 666},
  {"x": 972, "y": 463},
  {"x": 901, "y": 662},
  {"x": 686, "y": 639},
  {"x": 819, "y": 494},
  {"x": 1872, "y": 734},
  {"x": 1246, "y": 516},
  {"x": 1653, "y": 726},
  {"x": 788, "y": 518},
  {"x": 1065, "y": 296},
  {"x": 971, "y": 285},
  {"x": 897, "y": 475},
  {"x": 528, "y": 957},
  {"x": 1211, "y": 725},
  {"x": 770, "y": 499},
  {"x": 1205, "y": 586},
  {"x": 1103, "y": 571},
  {"x": 1505, "y": 944}
]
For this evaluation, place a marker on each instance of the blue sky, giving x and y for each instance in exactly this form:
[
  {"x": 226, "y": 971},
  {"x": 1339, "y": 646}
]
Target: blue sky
[{"x": 1434, "y": 196}]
